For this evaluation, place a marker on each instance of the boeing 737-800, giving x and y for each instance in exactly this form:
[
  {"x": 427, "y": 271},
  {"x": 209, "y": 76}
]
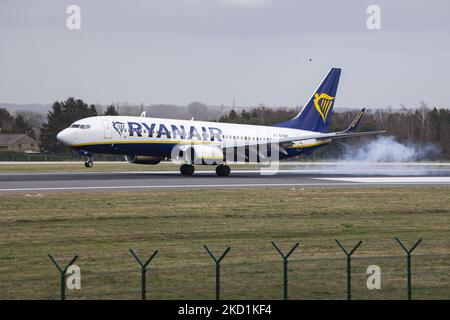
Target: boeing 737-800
[{"x": 147, "y": 140}]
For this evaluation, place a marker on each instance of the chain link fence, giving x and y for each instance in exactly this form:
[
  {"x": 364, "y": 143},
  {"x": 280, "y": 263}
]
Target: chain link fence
[{"x": 255, "y": 278}]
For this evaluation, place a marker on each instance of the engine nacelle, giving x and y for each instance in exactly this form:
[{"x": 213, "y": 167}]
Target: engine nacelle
[
  {"x": 198, "y": 154},
  {"x": 309, "y": 143},
  {"x": 142, "y": 159}
]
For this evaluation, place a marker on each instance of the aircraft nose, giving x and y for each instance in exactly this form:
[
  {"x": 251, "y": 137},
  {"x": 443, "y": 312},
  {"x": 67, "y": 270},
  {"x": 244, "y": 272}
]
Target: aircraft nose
[{"x": 63, "y": 137}]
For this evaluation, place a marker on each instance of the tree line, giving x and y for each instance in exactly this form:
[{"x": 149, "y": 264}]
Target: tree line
[
  {"x": 421, "y": 125},
  {"x": 15, "y": 124},
  {"x": 61, "y": 116}
]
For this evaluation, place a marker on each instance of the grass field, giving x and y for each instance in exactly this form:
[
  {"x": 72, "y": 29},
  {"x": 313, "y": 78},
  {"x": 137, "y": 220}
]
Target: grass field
[{"x": 101, "y": 227}]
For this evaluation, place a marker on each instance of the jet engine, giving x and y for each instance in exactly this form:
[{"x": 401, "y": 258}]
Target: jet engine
[
  {"x": 198, "y": 154},
  {"x": 143, "y": 159}
]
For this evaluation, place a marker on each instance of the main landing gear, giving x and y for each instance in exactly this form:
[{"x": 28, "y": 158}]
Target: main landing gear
[
  {"x": 187, "y": 169},
  {"x": 222, "y": 170}
]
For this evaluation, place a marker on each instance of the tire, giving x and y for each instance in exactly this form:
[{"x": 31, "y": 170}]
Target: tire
[
  {"x": 223, "y": 170},
  {"x": 226, "y": 171},
  {"x": 190, "y": 170},
  {"x": 89, "y": 164},
  {"x": 219, "y": 170},
  {"x": 187, "y": 169}
]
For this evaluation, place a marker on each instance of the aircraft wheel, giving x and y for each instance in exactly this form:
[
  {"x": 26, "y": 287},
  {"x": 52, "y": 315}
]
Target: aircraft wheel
[
  {"x": 187, "y": 169},
  {"x": 88, "y": 163},
  {"x": 223, "y": 170}
]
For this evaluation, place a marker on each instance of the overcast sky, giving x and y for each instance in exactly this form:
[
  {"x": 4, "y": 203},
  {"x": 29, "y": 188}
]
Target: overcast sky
[{"x": 255, "y": 51}]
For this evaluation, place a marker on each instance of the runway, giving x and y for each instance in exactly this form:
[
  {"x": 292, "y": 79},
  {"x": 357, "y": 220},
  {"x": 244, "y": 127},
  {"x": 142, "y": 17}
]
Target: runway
[{"x": 311, "y": 175}]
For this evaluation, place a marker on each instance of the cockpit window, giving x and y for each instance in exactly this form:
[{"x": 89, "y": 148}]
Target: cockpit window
[{"x": 81, "y": 126}]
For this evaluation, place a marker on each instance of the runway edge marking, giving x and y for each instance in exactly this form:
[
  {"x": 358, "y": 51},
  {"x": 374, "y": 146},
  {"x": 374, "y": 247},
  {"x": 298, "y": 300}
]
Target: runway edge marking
[{"x": 199, "y": 186}]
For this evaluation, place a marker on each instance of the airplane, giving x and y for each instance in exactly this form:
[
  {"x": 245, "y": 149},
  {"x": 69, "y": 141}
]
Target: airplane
[{"x": 145, "y": 140}]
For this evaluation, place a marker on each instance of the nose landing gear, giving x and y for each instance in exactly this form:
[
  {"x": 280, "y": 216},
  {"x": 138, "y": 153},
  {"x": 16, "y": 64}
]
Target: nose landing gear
[{"x": 89, "y": 163}]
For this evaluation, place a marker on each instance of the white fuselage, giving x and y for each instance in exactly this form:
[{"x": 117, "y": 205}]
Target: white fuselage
[{"x": 155, "y": 136}]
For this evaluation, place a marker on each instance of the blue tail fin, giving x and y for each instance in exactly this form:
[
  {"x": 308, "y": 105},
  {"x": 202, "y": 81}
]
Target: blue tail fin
[{"x": 316, "y": 115}]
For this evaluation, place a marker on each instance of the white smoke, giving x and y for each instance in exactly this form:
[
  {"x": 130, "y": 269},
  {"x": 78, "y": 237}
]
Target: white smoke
[{"x": 388, "y": 149}]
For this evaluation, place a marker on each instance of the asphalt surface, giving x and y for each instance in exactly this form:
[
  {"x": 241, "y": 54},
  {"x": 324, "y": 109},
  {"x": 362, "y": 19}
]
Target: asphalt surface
[{"x": 327, "y": 176}]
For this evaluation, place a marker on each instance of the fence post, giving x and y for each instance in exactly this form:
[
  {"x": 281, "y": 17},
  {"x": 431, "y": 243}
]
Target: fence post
[
  {"x": 62, "y": 272},
  {"x": 143, "y": 272},
  {"x": 217, "y": 262},
  {"x": 349, "y": 266},
  {"x": 285, "y": 267},
  {"x": 408, "y": 263}
]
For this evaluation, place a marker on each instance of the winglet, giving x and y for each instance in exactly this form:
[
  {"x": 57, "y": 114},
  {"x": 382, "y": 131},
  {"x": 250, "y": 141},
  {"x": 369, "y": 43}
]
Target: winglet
[{"x": 355, "y": 123}]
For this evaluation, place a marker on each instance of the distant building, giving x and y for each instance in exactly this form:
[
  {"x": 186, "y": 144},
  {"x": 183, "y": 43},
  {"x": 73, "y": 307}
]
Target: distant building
[{"x": 18, "y": 142}]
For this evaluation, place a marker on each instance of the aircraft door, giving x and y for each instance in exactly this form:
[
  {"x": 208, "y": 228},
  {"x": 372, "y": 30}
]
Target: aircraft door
[{"x": 107, "y": 129}]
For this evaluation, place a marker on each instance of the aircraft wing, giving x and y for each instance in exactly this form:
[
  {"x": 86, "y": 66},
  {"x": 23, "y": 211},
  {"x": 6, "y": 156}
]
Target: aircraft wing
[
  {"x": 318, "y": 137},
  {"x": 347, "y": 133},
  {"x": 285, "y": 142}
]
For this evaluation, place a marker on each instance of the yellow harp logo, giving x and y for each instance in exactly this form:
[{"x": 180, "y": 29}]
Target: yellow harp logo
[{"x": 323, "y": 104}]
